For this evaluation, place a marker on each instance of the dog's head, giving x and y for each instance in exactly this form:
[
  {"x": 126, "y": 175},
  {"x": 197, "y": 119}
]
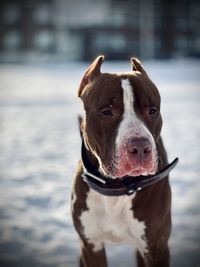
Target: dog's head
[{"x": 122, "y": 120}]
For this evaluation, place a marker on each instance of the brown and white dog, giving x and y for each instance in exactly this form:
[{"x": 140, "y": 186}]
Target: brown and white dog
[{"x": 121, "y": 134}]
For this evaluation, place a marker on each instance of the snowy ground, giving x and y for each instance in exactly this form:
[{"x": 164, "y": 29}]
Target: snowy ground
[{"x": 39, "y": 144}]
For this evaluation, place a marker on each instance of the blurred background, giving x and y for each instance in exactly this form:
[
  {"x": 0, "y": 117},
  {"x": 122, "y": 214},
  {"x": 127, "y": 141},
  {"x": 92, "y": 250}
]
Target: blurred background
[
  {"x": 79, "y": 30},
  {"x": 45, "y": 47}
]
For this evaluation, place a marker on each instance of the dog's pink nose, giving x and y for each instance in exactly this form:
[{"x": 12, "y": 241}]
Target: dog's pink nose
[{"x": 139, "y": 148}]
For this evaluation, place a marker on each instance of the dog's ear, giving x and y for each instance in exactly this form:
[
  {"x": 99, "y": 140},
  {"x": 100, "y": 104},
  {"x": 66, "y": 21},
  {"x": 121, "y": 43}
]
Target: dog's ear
[
  {"x": 136, "y": 65},
  {"x": 91, "y": 73}
]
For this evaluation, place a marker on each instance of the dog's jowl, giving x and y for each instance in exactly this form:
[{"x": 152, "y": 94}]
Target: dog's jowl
[{"x": 121, "y": 191}]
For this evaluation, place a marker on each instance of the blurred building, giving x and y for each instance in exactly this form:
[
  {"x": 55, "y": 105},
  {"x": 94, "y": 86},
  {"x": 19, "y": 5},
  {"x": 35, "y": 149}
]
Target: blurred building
[{"x": 75, "y": 29}]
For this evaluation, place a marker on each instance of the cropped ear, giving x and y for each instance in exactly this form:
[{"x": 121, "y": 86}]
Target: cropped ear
[
  {"x": 136, "y": 65},
  {"x": 91, "y": 73}
]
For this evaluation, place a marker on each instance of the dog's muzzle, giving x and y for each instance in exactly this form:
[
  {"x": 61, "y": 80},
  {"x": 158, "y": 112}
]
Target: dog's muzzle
[{"x": 125, "y": 185}]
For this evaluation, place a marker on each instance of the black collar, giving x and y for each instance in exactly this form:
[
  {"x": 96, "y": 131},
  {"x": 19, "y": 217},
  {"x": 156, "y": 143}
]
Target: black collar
[{"x": 126, "y": 185}]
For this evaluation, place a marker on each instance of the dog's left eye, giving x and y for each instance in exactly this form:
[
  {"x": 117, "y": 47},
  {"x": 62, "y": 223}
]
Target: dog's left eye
[{"x": 152, "y": 110}]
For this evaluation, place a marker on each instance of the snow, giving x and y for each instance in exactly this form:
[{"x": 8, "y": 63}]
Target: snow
[{"x": 40, "y": 147}]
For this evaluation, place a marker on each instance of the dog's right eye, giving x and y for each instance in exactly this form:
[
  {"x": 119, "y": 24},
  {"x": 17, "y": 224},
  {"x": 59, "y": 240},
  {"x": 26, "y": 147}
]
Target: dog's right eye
[{"x": 106, "y": 112}]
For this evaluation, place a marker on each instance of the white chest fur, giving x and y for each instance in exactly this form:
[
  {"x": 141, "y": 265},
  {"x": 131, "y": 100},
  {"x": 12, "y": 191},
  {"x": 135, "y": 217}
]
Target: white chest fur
[{"x": 111, "y": 220}]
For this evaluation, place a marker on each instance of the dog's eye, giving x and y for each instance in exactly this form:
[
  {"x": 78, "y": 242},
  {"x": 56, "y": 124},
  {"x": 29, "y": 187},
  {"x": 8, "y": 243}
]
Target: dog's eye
[
  {"x": 106, "y": 112},
  {"x": 152, "y": 110}
]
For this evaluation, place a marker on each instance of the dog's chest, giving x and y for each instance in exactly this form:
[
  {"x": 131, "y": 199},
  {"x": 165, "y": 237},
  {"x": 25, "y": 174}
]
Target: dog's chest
[{"x": 111, "y": 220}]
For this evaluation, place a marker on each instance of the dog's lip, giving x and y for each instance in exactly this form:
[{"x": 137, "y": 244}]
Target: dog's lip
[
  {"x": 138, "y": 172},
  {"x": 130, "y": 169},
  {"x": 134, "y": 172}
]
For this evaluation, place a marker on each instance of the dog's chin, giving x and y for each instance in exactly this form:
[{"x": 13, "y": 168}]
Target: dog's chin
[
  {"x": 134, "y": 173},
  {"x": 124, "y": 171}
]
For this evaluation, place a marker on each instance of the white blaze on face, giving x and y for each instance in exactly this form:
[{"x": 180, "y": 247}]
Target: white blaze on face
[{"x": 131, "y": 127}]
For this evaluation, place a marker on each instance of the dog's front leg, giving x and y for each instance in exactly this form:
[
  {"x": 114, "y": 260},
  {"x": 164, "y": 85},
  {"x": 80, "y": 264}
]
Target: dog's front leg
[
  {"x": 92, "y": 258},
  {"x": 157, "y": 258},
  {"x": 161, "y": 257},
  {"x": 140, "y": 260}
]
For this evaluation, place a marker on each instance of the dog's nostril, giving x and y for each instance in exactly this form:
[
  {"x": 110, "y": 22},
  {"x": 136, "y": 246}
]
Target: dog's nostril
[
  {"x": 135, "y": 151},
  {"x": 147, "y": 150}
]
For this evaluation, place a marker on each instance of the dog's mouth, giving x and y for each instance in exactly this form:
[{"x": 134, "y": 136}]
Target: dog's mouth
[
  {"x": 122, "y": 172},
  {"x": 124, "y": 185},
  {"x": 119, "y": 163},
  {"x": 139, "y": 171},
  {"x": 117, "y": 168}
]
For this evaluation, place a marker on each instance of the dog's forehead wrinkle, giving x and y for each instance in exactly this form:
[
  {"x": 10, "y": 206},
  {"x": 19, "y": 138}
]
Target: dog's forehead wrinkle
[
  {"x": 134, "y": 89},
  {"x": 106, "y": 80},
  {"x": 104, "y": 94},
  {"x": 144, "y": 88}
]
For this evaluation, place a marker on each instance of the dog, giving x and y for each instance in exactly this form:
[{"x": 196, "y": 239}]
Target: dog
[{"x": 118, "y": 193}]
